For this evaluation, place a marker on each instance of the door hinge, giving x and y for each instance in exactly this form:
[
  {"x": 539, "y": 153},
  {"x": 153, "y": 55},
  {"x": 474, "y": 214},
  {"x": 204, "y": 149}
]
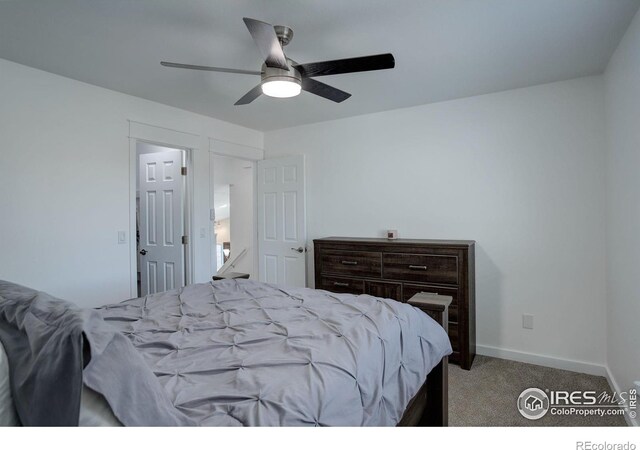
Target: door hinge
[
  {"x": 183, "y": 170},
  {"x": 185, "y": 240}
]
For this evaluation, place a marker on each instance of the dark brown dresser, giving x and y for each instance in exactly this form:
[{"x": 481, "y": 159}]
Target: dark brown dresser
[{"x": 399, "y": 269}]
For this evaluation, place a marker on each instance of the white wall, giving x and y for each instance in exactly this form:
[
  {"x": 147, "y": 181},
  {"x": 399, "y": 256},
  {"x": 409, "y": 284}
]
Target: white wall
[
  {"x": 520, "y": 171},
  {"x": 64, "y": 182},
  {"x": 622, "y": 88},
  {"x": 223, "y": 230}
]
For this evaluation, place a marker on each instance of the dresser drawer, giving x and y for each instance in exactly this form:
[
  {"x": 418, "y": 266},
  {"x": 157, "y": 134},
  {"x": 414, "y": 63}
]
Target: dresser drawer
[
  {"x": 361, "y": 264},
  {"x": 425, "y": 268},
  {"x": 383, "y": 289},
  {"x": 342, "y": 285}
]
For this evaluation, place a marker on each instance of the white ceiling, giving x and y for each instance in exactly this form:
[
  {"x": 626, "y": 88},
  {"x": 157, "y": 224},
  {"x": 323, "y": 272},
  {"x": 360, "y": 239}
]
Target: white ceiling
[{"x": 444, "y": 49}]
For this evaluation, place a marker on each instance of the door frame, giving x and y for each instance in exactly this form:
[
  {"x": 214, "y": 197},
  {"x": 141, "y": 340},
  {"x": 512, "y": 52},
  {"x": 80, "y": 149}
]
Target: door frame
[
  {"x": 151, "y": 134},
  {"x": 245, "y": 153}
]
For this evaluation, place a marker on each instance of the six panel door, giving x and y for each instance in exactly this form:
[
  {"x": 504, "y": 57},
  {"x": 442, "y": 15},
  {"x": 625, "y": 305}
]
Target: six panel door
[
  {"x": 281, "y": 221},
  {"x": 161, "y": 253}
]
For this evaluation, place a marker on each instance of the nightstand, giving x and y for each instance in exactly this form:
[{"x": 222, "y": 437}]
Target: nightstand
[
  {"x": 437, "y": 306},
  {"x": 230, "y": 276}
]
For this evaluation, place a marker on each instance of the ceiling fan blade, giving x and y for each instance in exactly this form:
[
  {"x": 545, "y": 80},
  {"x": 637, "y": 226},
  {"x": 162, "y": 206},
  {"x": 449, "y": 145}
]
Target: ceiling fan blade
[
  {"x": 209, "y": 68},
  {"x": 267, "y": 41},
  {"x": 349, "y": 65},
  {"x": 250, "y": 96},
  {"x": 324, "y": 90}
]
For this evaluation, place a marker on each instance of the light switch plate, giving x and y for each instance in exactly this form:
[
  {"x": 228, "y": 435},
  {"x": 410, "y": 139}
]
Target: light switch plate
[
  {"x": 527, "y": 321},
  {"x": 122, "y": 237}
]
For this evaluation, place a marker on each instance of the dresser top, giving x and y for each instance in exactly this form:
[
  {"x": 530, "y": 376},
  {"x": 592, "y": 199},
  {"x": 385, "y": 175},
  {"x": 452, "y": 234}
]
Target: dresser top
[{"x": 442, "y": 242}]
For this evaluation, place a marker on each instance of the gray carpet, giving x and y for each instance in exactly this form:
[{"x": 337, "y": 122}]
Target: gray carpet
[{"x": 487, "y": 394}]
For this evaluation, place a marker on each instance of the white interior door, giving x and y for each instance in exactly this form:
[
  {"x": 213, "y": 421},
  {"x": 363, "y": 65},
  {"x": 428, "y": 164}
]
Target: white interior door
[
  {"x": 281, "y": 221},
  {"x": 161, "y": 221}
]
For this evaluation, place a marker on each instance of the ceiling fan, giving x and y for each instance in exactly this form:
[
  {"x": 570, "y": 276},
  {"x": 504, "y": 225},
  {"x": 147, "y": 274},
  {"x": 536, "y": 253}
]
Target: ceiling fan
[{"x": 282, "y": 77}]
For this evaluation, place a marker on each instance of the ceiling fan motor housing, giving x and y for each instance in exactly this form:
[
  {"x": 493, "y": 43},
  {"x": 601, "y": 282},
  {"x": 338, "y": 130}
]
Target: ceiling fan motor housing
[
  {"x": 284, "y": 33},
  {"x": 277, "y": 74}
]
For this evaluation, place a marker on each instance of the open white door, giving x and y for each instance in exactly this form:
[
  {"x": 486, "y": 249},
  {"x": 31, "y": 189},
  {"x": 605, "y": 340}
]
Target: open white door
[
  {"x": 161, "y": 222},
  {"x": 281, "y": 221}
]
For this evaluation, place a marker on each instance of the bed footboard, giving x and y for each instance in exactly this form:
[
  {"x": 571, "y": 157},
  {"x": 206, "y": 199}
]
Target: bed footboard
[{"x": 430, "y": 406}]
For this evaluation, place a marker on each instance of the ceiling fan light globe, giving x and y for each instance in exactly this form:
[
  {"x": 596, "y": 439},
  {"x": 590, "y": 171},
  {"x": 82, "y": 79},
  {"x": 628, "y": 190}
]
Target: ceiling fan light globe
[{"x": 281, "y": 88}]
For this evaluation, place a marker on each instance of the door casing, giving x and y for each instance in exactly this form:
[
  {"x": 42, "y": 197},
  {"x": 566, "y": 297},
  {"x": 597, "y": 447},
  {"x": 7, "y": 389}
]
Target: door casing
[{"x": 139, "y": 132}]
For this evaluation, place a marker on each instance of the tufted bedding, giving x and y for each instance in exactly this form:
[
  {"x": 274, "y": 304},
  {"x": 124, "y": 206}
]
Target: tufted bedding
[{"x": 241, "y": 352}]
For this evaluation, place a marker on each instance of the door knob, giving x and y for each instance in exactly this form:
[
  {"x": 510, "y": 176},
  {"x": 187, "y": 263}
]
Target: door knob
[
  {"x": 143, "y": 252},
  {"x": 299, "y": 249}
]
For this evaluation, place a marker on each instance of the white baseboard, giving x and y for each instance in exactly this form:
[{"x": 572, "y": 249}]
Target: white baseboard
[
  {"x": 556, "y": 363},
  {"x": 616, "y": 388},
  {"x": 541, "y": 360}
]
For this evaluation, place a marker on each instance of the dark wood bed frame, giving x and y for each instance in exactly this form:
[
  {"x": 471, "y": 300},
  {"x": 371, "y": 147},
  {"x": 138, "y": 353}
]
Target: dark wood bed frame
[{"x": 430, "y": 406}]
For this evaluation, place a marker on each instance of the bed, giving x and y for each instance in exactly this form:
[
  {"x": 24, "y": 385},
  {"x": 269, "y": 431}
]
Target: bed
[{"x": 226, "y": 353}]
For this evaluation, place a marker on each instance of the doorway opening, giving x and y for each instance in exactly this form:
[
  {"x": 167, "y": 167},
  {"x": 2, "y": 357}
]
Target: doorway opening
[
  {"x": 233, "y": 215},
  {"x": 161, "y": 218}
]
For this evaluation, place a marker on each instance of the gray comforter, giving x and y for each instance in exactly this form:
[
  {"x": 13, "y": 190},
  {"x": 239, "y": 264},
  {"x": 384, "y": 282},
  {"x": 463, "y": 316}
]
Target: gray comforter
[
  {"x": 240, "y": 352},
  {"x": 53, "y": 346}
]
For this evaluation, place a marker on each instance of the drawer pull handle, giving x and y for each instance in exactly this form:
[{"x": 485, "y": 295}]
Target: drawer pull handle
[
  {"x": 337, "y": 283},
  {"x": 412, "y": 267},
  {"x": 350, "y": 263}
]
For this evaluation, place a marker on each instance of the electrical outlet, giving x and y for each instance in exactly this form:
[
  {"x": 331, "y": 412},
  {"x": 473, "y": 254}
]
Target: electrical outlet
[{"x": 527, "y": 321}]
